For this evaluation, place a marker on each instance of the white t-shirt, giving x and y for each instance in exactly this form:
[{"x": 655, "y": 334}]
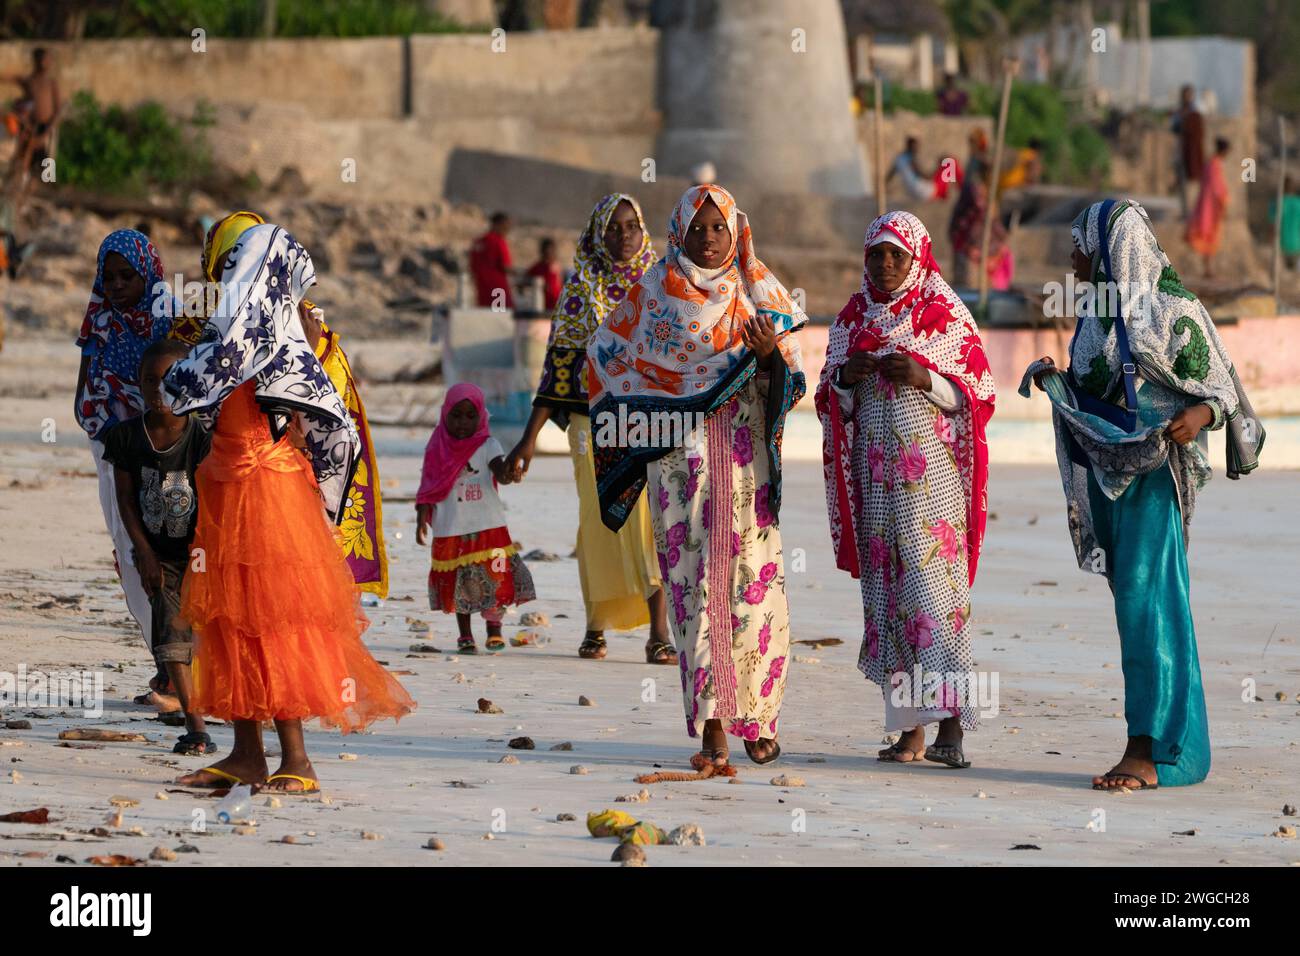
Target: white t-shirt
[{"x": 473, "y": 504}]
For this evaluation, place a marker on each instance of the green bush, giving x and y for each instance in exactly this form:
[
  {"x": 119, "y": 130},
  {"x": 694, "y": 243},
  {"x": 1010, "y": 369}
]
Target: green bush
[
  {"x": 132, "y": 151},
  {"x": 243, "y": 18}
]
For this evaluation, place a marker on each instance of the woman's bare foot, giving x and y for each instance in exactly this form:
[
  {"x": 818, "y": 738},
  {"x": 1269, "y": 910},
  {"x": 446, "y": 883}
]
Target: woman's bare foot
[
  {"x": 714, "y": 743},
  {"x": 1135, "y": 769},
  {"x": 244, "y": 767},
  {"x": 909, "y": 749}
]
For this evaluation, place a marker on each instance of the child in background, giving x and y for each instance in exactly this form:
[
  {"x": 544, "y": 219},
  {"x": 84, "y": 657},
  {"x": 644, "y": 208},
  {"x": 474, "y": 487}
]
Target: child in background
[
  {"x": 154, "y": 456},
  {"x": 476, "y": 566},
  {"x": 130, "y": 308},
  {"x": 547, "y": 268}
]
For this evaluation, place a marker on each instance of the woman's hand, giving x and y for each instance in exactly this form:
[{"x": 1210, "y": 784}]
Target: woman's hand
[
  {"x": 519, "y": 458},
  {"x": 759, "y": 334},
  {"x": 857, "y": 368},
  {"x": 1041, "y": 375},
  {"x": 902, "y": 369},
  {"x": 312, "y": 328},
  {"x": 423, "y": 518},
  {"x": 1187, "y": 424}
]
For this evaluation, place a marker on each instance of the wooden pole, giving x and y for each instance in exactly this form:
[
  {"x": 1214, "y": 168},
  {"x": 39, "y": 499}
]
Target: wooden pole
[
  {"x": 878, "y": 145},
  {"x": 1277, "y": 225},
  {"x": 1008, "y": 70}
]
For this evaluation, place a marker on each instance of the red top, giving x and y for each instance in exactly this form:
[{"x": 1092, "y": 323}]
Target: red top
[
  {"x": 489, "y": 260},
  {"x": 549, "y": 272}
]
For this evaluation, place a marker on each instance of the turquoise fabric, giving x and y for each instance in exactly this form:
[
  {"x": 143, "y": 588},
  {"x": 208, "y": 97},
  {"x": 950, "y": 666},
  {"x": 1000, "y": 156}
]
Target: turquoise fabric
[{"x": 1141, "y": 533}]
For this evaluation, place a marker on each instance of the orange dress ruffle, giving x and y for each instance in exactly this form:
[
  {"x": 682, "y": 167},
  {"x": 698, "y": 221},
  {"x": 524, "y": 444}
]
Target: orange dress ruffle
[{"x": 275, "y": 611}]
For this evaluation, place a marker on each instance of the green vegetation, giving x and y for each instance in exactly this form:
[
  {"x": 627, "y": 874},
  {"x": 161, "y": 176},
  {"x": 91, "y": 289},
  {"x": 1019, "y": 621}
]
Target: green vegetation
[
  {"x": 244, "y": 18},
  {"x": 1073, "y": 150},
  {"x": 132, "y": 151}
]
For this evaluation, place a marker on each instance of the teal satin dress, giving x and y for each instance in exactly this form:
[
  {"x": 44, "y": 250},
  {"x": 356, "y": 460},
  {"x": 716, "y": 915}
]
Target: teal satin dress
[{"x": 1141, "y": 533}]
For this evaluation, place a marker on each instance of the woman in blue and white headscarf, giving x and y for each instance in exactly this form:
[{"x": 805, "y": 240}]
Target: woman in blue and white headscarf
[{"x": 1130, "y": 414}]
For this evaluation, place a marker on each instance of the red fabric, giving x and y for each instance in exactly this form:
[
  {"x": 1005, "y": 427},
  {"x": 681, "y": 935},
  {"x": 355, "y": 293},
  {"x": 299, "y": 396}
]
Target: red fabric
[
  {"x": 445, "y": 457},
  {"x": 549, "y": 273},
  {"x": 489, "y": 261},
  {"x": 1203, "y": 229},
  {"x": 930, "y": 323}
]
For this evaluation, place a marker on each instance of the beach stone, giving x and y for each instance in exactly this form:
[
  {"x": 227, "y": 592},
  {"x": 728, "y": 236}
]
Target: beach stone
[
  {"x": 161, "y": 795},
  {"x": 628, "y": 854},
  {"x": 509, "y": 758},
  {"x": 458, "y": 677},
  {"x": 1280, "y": 695},
  {"x": 564, "y": 817},
  {"x": 246, "y": 831},
  {"x": 435, "y": 844},
  {"x": 640, "y": 797},
  {"x": 489, "y": 836},
  {"x": 163, "y": 854},
  {"x": 369, "y": 835},
  {"x": 786, "y": 781},
  {"x": 579, "y": 769},
  {"x": 273, "y": 803},
  {"x": 289, "y": 838},
  {"x": 1288, "y": 810},
  {"x": 688, "y": 834},
  {"x": 114, "y": 819},
  {"x": 537, "y": 554},
  {"x": 521, "y": 743},
  {"x": 981, "y": 795},
  {"x": 585, "y": 701},
  {"x": 120, "y": 801},
  {"x": 486, "y": 706},
  {"x": 15, "y": 776},
  {"x": 1286, "y": 831},
  {"x": 347, "y": 756},
  {"x": 534, "y": 619},
  {"x": 18, "y": 725},
  {"x": 566, "y": 745},
  {"x": 425, "y": 649},
  {"x": 187, "y": 848}
]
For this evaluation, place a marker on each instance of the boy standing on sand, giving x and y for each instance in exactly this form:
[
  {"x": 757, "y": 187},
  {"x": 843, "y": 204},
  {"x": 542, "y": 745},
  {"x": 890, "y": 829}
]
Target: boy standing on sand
[{"x": 154, "y": 456}]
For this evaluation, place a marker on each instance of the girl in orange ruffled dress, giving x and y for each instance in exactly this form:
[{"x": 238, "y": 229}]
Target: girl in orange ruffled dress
[{"x": 272, "y": 600}]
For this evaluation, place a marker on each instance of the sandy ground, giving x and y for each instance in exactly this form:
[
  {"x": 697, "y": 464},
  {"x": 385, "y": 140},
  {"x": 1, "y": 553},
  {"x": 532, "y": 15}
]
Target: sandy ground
[{"x": 1045, "y": 627}]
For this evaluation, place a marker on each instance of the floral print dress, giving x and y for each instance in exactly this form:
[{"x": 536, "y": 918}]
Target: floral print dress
[{"x": 720, "y": 552}]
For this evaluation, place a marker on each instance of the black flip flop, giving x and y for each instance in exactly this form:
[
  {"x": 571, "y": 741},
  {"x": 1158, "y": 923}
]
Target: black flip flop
[
  {"x": 1112, "y": 775},
  {"x": 188, "y": 744},
  {"x": 950, "y": 755},
  {"x": 776, "y": 752}
]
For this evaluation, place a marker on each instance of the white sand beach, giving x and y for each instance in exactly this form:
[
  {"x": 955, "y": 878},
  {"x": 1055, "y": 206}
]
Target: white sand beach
[{"x": 1046, "y": 628}]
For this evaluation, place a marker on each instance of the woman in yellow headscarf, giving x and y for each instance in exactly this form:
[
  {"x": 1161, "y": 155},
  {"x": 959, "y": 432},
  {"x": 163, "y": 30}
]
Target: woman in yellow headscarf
[{"x": 362, "y": 525}]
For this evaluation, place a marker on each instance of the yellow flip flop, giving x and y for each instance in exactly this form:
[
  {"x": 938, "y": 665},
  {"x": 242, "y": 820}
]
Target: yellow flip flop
[
  {"x": 216, "y": 772},
  {"x": 308, "y": 785}
]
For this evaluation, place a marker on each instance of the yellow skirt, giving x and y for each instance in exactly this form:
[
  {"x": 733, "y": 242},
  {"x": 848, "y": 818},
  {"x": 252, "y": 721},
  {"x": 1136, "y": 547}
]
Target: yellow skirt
[{"x": 618, "y": 571}]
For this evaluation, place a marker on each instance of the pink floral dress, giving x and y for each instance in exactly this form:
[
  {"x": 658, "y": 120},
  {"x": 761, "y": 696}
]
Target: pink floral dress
[{"x": 720, "y": 554}]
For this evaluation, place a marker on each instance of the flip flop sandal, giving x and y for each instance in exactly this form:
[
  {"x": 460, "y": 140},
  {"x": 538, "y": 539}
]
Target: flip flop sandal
[
  {"x": 776, "y": 752},
  {"x": 949, "y": 755},
  {"x": 593, "y": 648},
  {"x": 308, "y": 785},
  {"x": 661, "y": 652},
  {"x": 228, "y": 780},
  {"x": 195, "y": 745},
  {"x": 495, "y": 644},
  {"x": 1112, "y": 775},
  {"x": 466, "y": 645},
  {"x": 890, "y": 754}
]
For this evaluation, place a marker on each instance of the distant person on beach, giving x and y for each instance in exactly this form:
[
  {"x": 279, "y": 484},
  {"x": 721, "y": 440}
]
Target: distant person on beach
[
  {"x": 966, "y": 233},
  {"x": 1146, "y": 378},
  {"x": 904, "y": 399},
  {"x": 904, "y": 166},
  {"x": 154, "y": 457},
  {"x": 38, "y": 113},
  {"x": 489, "y": 262},
  {"x": 275, "y": 608},
  {"x": 1204, "y": 229},
  {"x": 547, "y": 268},
  {"x": 1026, "y": 169},
  {"x": 706, "y": 338},
  {"x": 618, "y": 571},
  {"x": 1290, "y": 225},
  {"x": 1188, "y": 124},
  {"x": 476, "y": 566},
  {"x": 130, "y": 308},
  {"x": 950, "y": 99}
]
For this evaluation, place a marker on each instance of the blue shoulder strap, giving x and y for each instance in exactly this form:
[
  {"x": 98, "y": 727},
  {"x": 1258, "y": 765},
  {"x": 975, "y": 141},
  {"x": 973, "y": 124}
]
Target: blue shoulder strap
[{"x": 1127, "y": 367}]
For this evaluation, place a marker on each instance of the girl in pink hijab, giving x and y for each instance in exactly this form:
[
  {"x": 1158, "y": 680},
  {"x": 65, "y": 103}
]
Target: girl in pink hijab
[{"x": 476, "y": 566}]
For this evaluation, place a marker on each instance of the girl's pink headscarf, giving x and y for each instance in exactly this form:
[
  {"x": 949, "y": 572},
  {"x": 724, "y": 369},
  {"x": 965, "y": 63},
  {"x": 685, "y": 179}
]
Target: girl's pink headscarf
[{"x": 445, "y": 457}]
